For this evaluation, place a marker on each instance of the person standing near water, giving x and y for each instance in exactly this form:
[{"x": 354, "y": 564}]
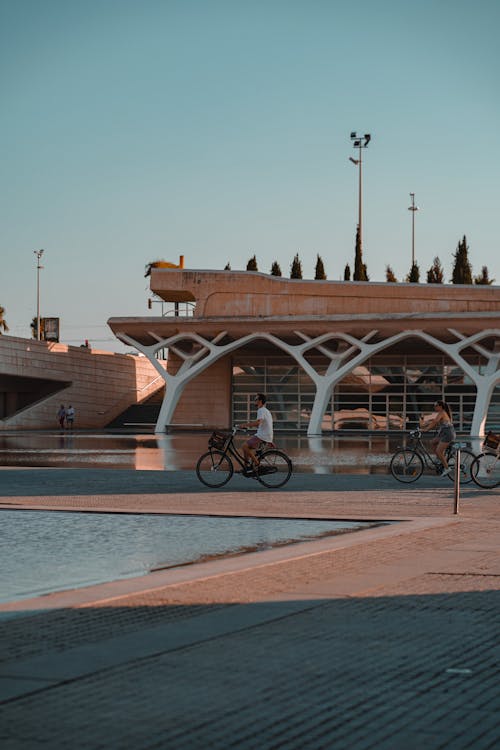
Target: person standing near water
[
  {"x": 70, "y": 417},
  {"x": 61, "y": 416}
]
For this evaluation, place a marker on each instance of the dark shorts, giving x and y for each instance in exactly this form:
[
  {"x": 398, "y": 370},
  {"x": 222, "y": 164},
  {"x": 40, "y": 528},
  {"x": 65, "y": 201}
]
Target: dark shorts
[{"x": 446, "y": 434}]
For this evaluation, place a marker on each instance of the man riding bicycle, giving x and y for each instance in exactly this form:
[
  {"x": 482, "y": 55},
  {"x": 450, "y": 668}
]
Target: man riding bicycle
[{"x": 264, "y": 424}]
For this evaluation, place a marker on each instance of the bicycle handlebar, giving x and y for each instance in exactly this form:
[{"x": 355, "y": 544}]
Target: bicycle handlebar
[{"x": 416, "y": 433}]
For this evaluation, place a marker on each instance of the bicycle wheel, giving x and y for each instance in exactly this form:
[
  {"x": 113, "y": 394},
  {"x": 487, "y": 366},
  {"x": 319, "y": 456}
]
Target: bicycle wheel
[
  {"x": 275, "y": 469},
  {"x": 466, "y": 461},
  {"x": 485, "y": 470},
  {"x": 214, "y": 468},
  {"x": 406, "y": 466}
]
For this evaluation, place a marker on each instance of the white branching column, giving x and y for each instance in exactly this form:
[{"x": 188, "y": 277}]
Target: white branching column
[
  {"x": 342, "y": 361},
  {"x": 192, "y": 365},
  {"x": 486, "y": 380}
]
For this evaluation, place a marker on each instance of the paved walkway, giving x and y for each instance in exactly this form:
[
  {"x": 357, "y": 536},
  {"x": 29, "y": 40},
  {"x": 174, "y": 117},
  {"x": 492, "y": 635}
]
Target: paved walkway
[{"x": 386, "y": 638}]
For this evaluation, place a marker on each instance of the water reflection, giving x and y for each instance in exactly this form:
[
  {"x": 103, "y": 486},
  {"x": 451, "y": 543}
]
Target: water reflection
[{"x": 180, "y": 450}]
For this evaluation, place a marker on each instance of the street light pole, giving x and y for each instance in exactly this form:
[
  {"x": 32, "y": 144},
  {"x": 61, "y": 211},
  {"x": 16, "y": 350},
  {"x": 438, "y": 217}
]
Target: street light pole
[
  {"x": 360, "y": 196},
  {"x": 360, "y": 143},
  {"x": 38, "y": 254},
  {"x": 412, "y": 208}
]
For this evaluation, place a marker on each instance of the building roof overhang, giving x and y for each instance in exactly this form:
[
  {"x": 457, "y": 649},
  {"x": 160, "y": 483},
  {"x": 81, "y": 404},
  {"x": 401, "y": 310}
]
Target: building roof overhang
[
  {"x": 229, "y": 305},
  {"x": 152, "y": 330}
]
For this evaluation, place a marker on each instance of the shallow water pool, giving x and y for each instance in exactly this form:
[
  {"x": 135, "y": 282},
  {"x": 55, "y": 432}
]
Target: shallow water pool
[{"x": 43, "y": 552}]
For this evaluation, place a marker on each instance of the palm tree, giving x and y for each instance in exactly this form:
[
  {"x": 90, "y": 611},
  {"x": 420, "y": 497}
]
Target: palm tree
[{"x": 3, "y": 324}]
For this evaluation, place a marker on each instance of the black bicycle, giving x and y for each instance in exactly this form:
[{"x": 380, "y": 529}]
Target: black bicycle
[
  {"x": 408, "y": 463},
  {"x": 485, "y": 469},
  {"x": 215, "y": 467}
]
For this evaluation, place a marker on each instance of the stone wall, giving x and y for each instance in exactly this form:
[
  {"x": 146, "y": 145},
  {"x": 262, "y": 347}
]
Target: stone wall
[{"x": 100, "y": 385}]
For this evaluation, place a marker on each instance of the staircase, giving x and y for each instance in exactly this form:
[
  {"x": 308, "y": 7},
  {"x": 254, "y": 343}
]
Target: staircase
[{"x": 140, "y": 417}]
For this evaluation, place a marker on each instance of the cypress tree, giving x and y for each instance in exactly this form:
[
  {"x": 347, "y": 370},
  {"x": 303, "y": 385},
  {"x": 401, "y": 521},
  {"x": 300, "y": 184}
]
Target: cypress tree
[
  {"x": 347, "y": 272},
  {"x": 320, "y": 274},
  {"x": 359, "y": 267},
  {"x": 276, "y": 269},
  {"x": 462, "y": 270},
  {"x": 296, "y": 269},
  {"x": 414, "y": 275},
  {"x": 227, "y": 267},
  {"x": 389, "y": 275},
  {"x": 435, "y": 274},
  {"x": 484, "y": 277},
  {"x": 252, "y": 264}
]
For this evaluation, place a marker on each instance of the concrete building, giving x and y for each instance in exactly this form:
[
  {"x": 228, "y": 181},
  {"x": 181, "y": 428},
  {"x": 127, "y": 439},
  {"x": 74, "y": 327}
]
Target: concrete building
[
  {"x": 36, "y": 377},
  {"x": 329, "y": 355}
]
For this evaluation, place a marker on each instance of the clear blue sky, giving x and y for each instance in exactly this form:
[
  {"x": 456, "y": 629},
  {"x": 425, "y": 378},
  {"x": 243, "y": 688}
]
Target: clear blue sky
[{"x": 218, "y": 129}]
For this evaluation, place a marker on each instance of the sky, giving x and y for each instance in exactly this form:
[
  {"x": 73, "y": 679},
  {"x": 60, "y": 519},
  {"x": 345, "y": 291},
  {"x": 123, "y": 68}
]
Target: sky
[{"x": 138, "y": 130}]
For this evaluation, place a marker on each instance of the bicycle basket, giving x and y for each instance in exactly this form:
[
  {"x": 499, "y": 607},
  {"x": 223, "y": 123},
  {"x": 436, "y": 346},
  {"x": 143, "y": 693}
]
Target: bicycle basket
[
  {"x": 217, "y": 439},
  {"x": 492, "y": 441}
]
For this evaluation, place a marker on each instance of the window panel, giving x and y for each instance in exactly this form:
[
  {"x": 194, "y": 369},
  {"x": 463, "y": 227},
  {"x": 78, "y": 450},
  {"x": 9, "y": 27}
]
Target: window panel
[{"x": 387, "y": 392}]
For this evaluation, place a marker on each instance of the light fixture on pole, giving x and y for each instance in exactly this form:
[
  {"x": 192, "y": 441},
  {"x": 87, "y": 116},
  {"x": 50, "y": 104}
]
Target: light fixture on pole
[
  {"x": 38, "y": 254},
  {"x": 360, "y": 142},
  {"x": 412, "y": 208},
  {"x": 152, "y": 301}
]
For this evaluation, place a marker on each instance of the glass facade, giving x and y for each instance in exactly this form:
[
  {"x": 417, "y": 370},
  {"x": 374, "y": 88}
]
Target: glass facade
[
  {"x": 290, "y": 392},
  {"x": 385, "y": 393}
]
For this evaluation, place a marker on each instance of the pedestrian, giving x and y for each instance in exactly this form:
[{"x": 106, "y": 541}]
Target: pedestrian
[
  {"x": 61, "y": 416},
  {"x": 70, "y": 417}
]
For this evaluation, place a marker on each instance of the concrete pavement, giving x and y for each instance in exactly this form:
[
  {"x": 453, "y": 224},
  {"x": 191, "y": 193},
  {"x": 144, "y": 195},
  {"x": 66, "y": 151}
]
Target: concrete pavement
[{"x": 386, "y": 638}]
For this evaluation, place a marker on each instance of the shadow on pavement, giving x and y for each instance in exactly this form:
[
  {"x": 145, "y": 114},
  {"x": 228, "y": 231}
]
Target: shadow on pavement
[
  {"x": 47, "y": 482},
  {"x": 402, "y": 671}
]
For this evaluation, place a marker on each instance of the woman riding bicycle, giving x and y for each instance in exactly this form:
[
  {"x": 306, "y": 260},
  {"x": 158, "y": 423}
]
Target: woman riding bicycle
[{"x": 446, "y": 433}]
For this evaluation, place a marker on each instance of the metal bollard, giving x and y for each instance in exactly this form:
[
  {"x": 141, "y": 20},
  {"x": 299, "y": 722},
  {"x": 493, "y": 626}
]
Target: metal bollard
[{"x": 457, "y": 480}]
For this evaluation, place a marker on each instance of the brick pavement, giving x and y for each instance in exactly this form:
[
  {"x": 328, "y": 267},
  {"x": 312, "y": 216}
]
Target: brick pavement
[{"x": 381, "y": 639}]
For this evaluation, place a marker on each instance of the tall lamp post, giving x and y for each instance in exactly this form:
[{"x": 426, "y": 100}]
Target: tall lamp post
[
  {"x": 360, "y": 142},
  {"x": 38, "y": 254},
  {"x": 412, "y": 208}
]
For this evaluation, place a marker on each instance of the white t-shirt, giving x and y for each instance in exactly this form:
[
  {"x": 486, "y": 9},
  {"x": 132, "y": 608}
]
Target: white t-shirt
[{"x": 265, "y": 428}]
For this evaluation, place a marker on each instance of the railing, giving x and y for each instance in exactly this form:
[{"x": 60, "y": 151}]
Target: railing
[
  {"x": 188, "y": 308},
  {"x": 179, "y": 309}
]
